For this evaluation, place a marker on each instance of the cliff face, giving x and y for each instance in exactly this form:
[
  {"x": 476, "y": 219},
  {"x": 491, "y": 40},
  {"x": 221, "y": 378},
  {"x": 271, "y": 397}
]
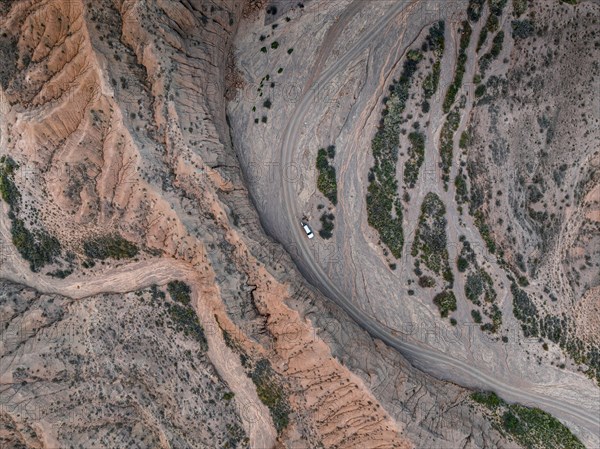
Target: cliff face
[{"x": 142, "y": 304}]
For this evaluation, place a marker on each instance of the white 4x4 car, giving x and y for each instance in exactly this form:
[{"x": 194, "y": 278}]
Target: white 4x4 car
[{"x": 307, "y": 229}]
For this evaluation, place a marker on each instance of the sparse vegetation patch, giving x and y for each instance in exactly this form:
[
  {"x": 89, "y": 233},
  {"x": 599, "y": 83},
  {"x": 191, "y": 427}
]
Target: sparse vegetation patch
[
  {"x": 110, "y": 246},
  {"x": 271, "y": 393},
  {"x": 384, "y": 209},
  {"x": 465, "y": 37},
  {"x": 416, "y": 156},
  {"x": 430, "y": 237},
  {"x": 326, "y": 180},
  {"x": 530, "y": 427}
]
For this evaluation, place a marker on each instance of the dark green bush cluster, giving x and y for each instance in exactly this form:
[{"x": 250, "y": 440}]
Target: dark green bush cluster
[
  {"x": 185, "y": 321},
  {"x": 426, "y": 282},
  {"x": 9, "y": 54},
  {"x": 435, "y": 39},
  {"x": 494, "y": 52},
  {"x": 60, "y": 274},
  {"x": 327, "y": 226},
  {"x": 462, "y": 264},
  {"x": 474, "y": 9},
  {"x": 432, "y": 80},
  {"x": 180, "y": 292},
  {"x": 446, "y": 302},
  {"x": 478, "y": 283},
  {"x": 531, "y": 427},
  {"x": 556, "y": 329},
  {"x": 430, "y": 237},
  {"x": 484, "y": 230},
  {"x": 522, "y": 29},
  {"x": 492, "y": 22},
  {"x": 525, "y": 311},
  {"x": 497, "y": 7},
  {"x": 8, "y": 189},
  {"x": 447, "y": 144},
  {"x": 271, "y": 393},
  {"x": 384, "y": 210},
  {"x": 37, "y": 247},
  {"x": 465, "y": 37},
  {"x": 465, "y": 140},
  {"x": 519, "y": 7},
  {"x": 434, "y": 42},
  {"x": 110, "y": 246},
  {"x": 326, "y": 181},
  {"x": 487, "y": 398},
  {"x": 462, "y": 190},
  {"x": 416, "y": 156}
]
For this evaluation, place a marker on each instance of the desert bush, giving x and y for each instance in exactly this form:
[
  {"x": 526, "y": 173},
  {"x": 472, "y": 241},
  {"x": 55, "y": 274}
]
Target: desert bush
[
  {"x": 465, "y": 37},
  {"x": 426, "y": 282},
  {"x": 326, "y": 180},
  {"x": 110, "y": 246},
  {"x": 180, "y": 292},
  {"x": 522, "y": 29},
  {"x": 384, "y": 210},
  {"x": 327, "y": 226},
  {"x": 416, "y": 156},
  {"x": 519, "y": 7},
  {"x": 271, "y": 393},
  {"x": 474, "y": 9},
  {"x": 531, "y": 427},
  {"x": 446, "y": 302},
  {"x": 37, "y": 247}
]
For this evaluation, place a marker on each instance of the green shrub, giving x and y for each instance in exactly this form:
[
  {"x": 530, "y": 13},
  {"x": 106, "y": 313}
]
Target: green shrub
[
  {"x": 430, "y": 237},
  {"x": 416, "y": 156},
  {"x": 497, "y": 7},
  {"x": 327, "y": 226},
  {"x": 185, "y": 321},
  {"x": 484, "y": 230},
  {"x": 519, "y": 7},
  {"x": 326, "y": 180},
  {"x": 446, "y": 302},
  {"x": 37, "y": 247},
  {"x": 522, "y": 29},
  {"x": 447, "y": 144},
  {"x": 110, "y": 246},
  {"x": 426, "y": 282},
  {"x": 462, "y": 264},
  {"x": 474, "y": 288},
  {"x": 432, "y": 80},
  {"x": 465, "y": 37},
  {"x": 271, "y": 393},
  {"x": 180, "y": 292},
  {"x": 476, "y": 316},
  {"x": 532, "y": 428},
  {"x": 460, "y": 184},
  {"x": 487, "y": 398},
  {"x": 494, "y": 52},
  {"x": 474, "y": 9},
  {"x": 384, "y": 209}
]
